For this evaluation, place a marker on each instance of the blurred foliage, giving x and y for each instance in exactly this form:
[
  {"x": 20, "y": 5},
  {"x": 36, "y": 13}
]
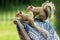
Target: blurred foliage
[
  {"x": 14, "y": 5},
  {"x": 57, "y": 14}
]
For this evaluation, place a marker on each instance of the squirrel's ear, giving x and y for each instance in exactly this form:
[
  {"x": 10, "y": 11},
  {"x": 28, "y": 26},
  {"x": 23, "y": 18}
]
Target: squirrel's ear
[
  {"x": 30, "y": 6},
  {"x": 20, "y": 12}
]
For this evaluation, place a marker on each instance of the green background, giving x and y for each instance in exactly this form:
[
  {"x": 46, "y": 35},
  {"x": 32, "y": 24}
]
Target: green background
[{"x": 8, "y": 9}]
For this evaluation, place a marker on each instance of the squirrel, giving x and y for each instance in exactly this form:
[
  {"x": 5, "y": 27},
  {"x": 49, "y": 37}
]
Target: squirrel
[
  {"x": 25, "y": 17},
  {"x": 44, "y": 12}
]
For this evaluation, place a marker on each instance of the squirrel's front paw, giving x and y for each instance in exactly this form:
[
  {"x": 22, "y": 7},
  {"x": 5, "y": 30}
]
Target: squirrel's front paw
[{"x": 45, "y": 33}]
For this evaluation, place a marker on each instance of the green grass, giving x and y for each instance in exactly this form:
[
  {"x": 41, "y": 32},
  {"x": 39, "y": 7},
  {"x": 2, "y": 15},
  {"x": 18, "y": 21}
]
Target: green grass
[{"x": 8, "y": 31}]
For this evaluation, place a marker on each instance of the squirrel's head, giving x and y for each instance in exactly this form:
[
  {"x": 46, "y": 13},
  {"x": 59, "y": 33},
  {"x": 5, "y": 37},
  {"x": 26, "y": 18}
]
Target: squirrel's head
[
  {"x": 18, "y": 13},
  {"x": 29, "y": 8}
]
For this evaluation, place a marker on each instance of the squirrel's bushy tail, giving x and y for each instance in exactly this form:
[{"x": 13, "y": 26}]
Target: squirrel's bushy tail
[{"x": 49, "y": 5}]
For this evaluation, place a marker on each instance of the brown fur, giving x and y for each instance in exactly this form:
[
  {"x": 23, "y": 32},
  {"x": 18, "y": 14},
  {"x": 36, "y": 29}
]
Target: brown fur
[
  {"x": 42, "y": 13},
  {"x": 37, "y": 11}
]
